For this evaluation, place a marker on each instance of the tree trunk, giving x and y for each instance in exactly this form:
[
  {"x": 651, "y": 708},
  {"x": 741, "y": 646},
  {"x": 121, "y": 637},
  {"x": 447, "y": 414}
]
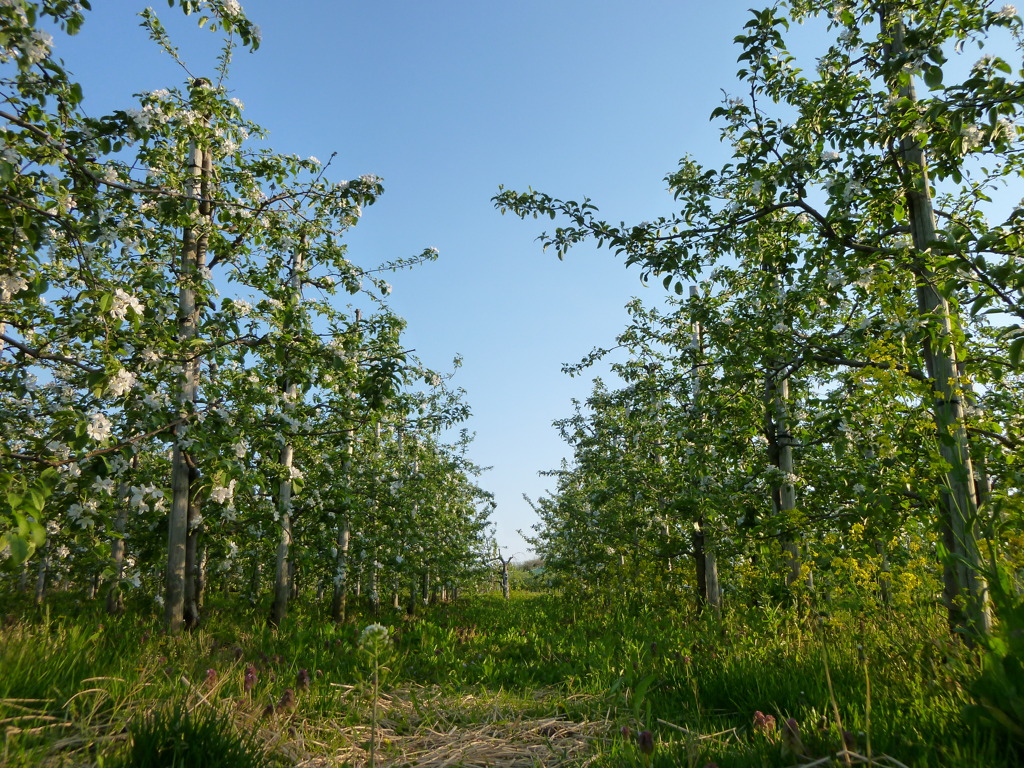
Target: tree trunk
[
  {"x": 44, "y": 563},
  {"x": 282, "y": 573},
  {"x": 282, "y": 588},
  {"x": 202, "y": 561},
  {"x": 115, "y": 600},
  {"x": 339, "y": 601},
  {"x": 192, "y": 260},
  {"x": 191, "y": 610},
  {"x": 780, "y": 454},
  {"x": 410, "y": 607},
  {"x": 375, "y": 583},
  {"x": 255, "y": 579},
  {"x": 884, "y": 585},
  {"x": 708, "y": 589},
  {"x": 966, "y": 589}
]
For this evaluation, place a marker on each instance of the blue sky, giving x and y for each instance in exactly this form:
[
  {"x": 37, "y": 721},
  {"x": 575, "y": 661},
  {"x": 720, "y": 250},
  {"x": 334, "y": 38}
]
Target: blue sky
[{"x": 446, "y": 100}]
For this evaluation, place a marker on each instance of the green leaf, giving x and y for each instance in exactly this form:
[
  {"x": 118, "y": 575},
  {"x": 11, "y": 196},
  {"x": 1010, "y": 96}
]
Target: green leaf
[
  {"x": 19, "y": 548},
  {"x": 37, "y": 534},
  {"x": 1016, "y": 346},
  {"x": 33, "y": 501}
]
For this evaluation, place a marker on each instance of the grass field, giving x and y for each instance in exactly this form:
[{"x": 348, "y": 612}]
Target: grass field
[{"x": 535, "y": 681}]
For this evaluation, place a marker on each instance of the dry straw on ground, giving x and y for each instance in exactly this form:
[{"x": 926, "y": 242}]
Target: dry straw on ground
[{"x": 427, "y": 729}]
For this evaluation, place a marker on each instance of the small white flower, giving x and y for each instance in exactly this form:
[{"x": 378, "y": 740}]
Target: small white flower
[
  {"x": 10, "y": 285},
  {"x": 99, "y": 427},
  {"x": 1006, "y": 12},
  {"x": 973, "y": 136},
  {"x": 123, "y": 301},
  {"x": 120, "y": 383},
  {"x": 829, "y": 156},
  {"x": 859, "y": 488},
  {"x": 37, "y": 46},
  {"x": 984, "y": 62},
  {"x": 373, "y": 637},
  {"x": 138, "y": 496},
  {"x": 223, "y": 494},
  {"x": 853, "y": 189}
]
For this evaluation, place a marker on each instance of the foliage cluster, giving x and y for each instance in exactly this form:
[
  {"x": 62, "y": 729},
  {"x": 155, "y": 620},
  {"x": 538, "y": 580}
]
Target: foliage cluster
[
  {"x": 835, "y": 404},
  {"x": 198, "y": 385}
]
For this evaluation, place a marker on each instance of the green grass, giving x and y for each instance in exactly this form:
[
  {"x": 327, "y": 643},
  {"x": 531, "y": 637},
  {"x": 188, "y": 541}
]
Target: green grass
[{"x": 88, "y": 690}]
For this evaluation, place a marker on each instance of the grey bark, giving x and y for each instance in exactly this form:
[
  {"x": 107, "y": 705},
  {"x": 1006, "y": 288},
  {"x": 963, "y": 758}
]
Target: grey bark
[
  {"x": 965, "y": 586},
  {"x": 115, "y": 600},
  {"x": 706, "y": 560},
  {"x": 282, "y": 571},
  {"x": 44, "y": 563},
  {"x": 339, "y": 600},
  {"x": 192, "y": 260}
]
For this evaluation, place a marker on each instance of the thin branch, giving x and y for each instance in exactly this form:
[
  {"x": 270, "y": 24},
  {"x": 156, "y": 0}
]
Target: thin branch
[{"x": 38, "y": 354}]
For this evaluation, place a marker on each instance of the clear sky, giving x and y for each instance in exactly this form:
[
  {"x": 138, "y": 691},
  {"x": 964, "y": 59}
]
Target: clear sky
[{"x": 446, "y": 100}]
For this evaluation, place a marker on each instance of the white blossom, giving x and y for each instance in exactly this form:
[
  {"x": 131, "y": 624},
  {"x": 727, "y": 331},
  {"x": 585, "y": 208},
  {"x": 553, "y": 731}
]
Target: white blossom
[
  {"x": 10, "y": 284},
  {"x": 99, "y": 427},
  {"x": 984, "y": 62},
  {"x": 1006, "y": 12},
  {"x": 120, "y": 383},
  {"x": 973, "y": 136},
  {"x": 222, "y": 494},
  {"x": 123, "y": 301},
  {"x": 853, "y": 189},
  {"x": 37, "y": 46}
]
